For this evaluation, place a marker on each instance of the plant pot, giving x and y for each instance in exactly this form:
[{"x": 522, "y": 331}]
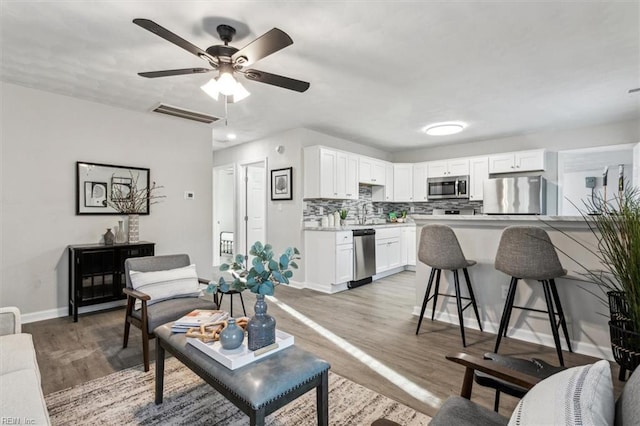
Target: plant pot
[
  {"x": 625, "y": 345},
  {"x": 618, "y": 306}
]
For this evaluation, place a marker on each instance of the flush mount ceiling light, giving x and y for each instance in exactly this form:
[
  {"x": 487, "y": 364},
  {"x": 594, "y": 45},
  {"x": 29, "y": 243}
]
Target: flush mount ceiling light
[{"x": 444, "y": 129}]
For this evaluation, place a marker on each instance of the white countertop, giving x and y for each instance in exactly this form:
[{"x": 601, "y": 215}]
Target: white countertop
[
  {"x": 498, "y": 217},
  {"x": 353, "y": 226}
]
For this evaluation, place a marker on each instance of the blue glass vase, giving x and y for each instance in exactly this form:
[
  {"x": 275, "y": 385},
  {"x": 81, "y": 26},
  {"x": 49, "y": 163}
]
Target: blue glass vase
[
  {"x": 261, "y": 329},
  {"x": 232, "y": 336}
]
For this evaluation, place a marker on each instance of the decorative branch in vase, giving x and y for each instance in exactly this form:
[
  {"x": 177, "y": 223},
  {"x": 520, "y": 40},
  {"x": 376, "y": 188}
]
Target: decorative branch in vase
[{"x": 132, "y": 200}]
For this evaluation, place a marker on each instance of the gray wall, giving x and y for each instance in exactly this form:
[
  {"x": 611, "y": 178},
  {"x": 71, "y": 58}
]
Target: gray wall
[
  {"x": 43, "y": 135},
  {"x": 553, "y": 140}
]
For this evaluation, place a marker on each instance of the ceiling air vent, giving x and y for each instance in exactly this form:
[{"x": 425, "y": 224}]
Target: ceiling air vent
[{"x": 185, "y": 113}]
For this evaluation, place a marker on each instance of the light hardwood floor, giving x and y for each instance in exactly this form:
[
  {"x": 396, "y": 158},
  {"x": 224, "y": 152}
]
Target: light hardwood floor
[{"x": 376, "y": 319}]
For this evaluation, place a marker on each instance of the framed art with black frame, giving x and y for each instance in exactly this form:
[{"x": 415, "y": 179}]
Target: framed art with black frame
[
  {"x": 282, "y": 184},
  {"x": 96, "y": 184}
]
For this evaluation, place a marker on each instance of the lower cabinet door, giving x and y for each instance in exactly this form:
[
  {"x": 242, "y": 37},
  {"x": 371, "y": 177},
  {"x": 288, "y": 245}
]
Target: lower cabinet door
[
  {"x": 394, "y": 254},
  {"x": 344, "y": 263}
]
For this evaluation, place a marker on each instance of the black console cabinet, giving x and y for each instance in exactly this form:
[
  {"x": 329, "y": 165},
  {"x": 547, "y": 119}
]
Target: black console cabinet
[{"x": 96, "y": 272}]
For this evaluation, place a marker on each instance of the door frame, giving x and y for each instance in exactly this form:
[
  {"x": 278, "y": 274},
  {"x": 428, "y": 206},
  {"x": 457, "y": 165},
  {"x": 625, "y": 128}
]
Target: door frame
[{"x": 232, "y": 205}]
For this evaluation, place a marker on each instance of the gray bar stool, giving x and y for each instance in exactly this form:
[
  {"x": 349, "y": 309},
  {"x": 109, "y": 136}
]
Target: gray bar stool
[
  {"x": 440, "y": 249},
  {"x": 526, "y": 252}
]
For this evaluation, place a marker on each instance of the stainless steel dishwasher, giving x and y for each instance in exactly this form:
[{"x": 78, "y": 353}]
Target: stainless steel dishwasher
[{"x": 364, "y": 256}]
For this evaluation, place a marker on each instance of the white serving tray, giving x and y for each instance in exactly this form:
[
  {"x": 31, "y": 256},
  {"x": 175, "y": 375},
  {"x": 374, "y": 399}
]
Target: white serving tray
[{"x": 241, "y": 356}]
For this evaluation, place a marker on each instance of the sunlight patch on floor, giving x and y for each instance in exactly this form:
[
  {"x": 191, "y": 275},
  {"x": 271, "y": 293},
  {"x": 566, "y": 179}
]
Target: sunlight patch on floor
[{"x": 394, "y": 377}]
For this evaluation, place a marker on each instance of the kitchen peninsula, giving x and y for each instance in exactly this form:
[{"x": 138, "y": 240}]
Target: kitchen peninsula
[{"x": 479, "y": 236}]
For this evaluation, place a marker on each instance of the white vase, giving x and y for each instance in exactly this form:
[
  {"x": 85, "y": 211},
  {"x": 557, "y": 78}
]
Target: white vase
[
  {"x": 133, "y": 229},
  {"x": 121, "y": 237}
]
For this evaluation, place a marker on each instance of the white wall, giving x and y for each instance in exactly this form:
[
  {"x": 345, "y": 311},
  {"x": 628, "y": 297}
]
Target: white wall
[
  {"x": 284, "y": 218},
  {"x": 43, "y": 135},
  {"x": 585, "y": 137}
]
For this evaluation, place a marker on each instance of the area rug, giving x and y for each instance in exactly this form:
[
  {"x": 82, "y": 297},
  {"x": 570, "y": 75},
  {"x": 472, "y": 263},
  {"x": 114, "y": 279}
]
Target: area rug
[{"x": 127, "y": 398}]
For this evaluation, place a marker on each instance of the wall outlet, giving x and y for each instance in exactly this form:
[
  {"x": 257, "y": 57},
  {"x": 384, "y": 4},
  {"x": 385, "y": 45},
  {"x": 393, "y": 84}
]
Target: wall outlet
[
  {"x": 505, "y": 291},
  {"x": 189, "y": 195},
  {"x": 412, "y": 209},
  {"x": 320, "y": 210},
  {"x": 379, "y": 210}
]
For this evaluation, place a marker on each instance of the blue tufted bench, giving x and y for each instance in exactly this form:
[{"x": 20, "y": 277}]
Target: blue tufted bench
[{"x": 257, "y": 389}]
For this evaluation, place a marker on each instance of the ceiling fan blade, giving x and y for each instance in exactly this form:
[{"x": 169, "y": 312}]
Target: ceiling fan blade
[
  {"x": 149, "y": 25},
  {"x": 168, "y": 73},
  {"x": 268, "y": 43},
  {"x": 276, "y": 80}
]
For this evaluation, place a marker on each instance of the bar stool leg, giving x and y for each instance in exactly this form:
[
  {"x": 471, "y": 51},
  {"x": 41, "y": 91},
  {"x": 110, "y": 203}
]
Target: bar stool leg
[
  {"x": 231, "y": 303},
  {"x": 505, "y": 313},
  {"x": 456, "y": 282},
  {"x": 435, "y": 294},
  {"x": 426, "y": 299},
  {"x": 563, "y": 322},
  {"x": 471, "y": 295},
  {"x": 552, "y": 319},
  {"x": 496, "y": 402},
  {"x": 511, "y": 296}
]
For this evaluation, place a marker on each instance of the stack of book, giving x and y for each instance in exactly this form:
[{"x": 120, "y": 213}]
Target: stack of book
[{"x": 198, "y": 317}]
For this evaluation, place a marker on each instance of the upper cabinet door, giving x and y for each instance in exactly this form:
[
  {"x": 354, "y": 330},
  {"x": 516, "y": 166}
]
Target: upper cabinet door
[
  {"x": 529, "y": 160},
  {"x": 521, "y": 161},
  {"x": 403, "y": 182},
  {"x": 371, "y": 171},
  {"x": 459, "y": 167},
  {"x": 437, "y": 168},
  {"x": 352, "y": 177},
  {"x": 478, "y": 174},
  {"x": 328, "y": 171},
  {"x": 420, "y": 182},
  {"x": 341, "y": 175},
  {"x": 388, "y": 182}
]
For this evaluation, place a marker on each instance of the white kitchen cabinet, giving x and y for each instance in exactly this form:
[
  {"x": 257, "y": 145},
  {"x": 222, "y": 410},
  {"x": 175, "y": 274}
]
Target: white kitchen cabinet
[
  {"x": 388, "y": 249},
  {"x": 330, "y": 174},
  {"x": 478, "y": 174},
  {"x": 420, "y": 182},
  {"x": 520, "y": 161},
  {"x": 409, "y": 245},
  {"x": 453, "y": 167},
  {"x": 384, "y": 193},
  {"x": 371, "y": 171},
  {"x": 346, "y": 178},
  {"x": 331, "y": 267},
  {"x": 403, "y": 182}
]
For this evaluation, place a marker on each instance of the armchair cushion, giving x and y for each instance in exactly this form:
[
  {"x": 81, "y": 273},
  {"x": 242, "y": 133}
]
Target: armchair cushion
[
  {"x": 167, "y": 284},
  {"x": 171, "y": 309},
  {"x": 463, "y": 412},
  {"x": 579, "y": 395}
]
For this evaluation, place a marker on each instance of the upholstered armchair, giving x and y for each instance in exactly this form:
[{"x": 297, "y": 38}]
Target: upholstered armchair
[
  {"x": 578, "y": 395},
  {"x": 160, "y": 289}
]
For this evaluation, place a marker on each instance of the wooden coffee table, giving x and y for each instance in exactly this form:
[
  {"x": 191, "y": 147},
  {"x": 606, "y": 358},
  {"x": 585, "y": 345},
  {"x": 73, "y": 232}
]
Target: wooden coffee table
[{"x": 257, "y": 389}]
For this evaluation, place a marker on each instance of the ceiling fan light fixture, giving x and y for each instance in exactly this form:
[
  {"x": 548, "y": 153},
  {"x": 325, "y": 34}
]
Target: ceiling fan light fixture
[
  {"x": 226, "y": 83},
  {"x": 240, "y": 92},
  {"x": 445, "y": 129},
  {"x": 211, "y": 88}
]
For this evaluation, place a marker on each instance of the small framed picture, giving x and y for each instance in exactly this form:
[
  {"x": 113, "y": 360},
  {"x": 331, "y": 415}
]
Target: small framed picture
[
  {"x": 282, "y": 184},
  {"x": 95, "y": 194}
]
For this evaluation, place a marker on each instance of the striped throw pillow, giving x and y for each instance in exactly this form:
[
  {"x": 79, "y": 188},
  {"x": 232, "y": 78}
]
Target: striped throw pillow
[
  {"x": 576, "y": 396},
  {"x": 169, "y": 284}
]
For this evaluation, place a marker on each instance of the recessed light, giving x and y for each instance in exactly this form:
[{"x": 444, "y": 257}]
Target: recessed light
[
  {"x": 444, "y": 129},
  {"x": 231, "y": 136}
]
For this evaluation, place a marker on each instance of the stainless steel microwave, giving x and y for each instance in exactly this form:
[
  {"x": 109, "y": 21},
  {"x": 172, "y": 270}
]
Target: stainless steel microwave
[{"x": 448, "y": 187}]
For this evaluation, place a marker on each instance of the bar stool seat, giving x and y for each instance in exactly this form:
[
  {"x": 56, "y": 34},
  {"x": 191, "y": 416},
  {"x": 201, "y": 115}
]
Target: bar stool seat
[
  {"x": 526, "y": 252},
  {"x": 439, "y": 248}
]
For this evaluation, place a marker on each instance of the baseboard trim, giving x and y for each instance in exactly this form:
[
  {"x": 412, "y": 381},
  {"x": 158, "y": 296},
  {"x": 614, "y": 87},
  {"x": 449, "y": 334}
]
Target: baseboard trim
[
  {"x": 521, "y": 334},
  {"x": 64, "y": 312}
]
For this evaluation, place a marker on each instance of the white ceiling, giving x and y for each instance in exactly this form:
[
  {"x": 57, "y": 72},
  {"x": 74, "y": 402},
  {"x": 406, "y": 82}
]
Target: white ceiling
[{"x": 379, "y": 71}]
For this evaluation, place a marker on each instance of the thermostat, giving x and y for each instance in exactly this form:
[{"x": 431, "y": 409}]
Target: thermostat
[{"x": 189, "y": 195}]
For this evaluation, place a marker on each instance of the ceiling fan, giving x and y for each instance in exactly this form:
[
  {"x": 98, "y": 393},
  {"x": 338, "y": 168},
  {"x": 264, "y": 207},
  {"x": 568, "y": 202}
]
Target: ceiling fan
[{"x": 228, "y": 60}]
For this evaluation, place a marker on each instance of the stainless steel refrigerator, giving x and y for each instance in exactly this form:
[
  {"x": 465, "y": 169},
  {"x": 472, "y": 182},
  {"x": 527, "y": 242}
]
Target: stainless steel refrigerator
[{"x": 515, "y": 195}]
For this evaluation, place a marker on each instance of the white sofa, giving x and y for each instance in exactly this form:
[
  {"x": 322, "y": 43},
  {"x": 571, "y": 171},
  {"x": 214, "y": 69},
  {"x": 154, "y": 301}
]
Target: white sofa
[{"x": 21, "y": 398}]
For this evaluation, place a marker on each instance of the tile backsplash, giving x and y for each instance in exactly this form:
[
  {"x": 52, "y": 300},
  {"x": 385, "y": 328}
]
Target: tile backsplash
[{"x": 316, "y": 208}]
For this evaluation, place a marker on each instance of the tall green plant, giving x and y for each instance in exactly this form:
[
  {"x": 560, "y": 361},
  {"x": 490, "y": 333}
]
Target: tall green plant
[{"x": 616, "y": 227}]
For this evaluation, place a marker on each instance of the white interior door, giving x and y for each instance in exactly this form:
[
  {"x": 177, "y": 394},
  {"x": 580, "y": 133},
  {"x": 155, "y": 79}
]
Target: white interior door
[
  {"x": 256, "y": 199},
  {"x": 224, "y": 223}
]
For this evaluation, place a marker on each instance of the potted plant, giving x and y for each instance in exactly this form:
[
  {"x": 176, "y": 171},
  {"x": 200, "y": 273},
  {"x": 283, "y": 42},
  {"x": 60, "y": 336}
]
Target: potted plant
[
  {"x": 616, "y": 227},
  {"x": 131, "y": 200},
  {"x": 343, "y": 217},
  {"x": 267, "y": 270}
]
